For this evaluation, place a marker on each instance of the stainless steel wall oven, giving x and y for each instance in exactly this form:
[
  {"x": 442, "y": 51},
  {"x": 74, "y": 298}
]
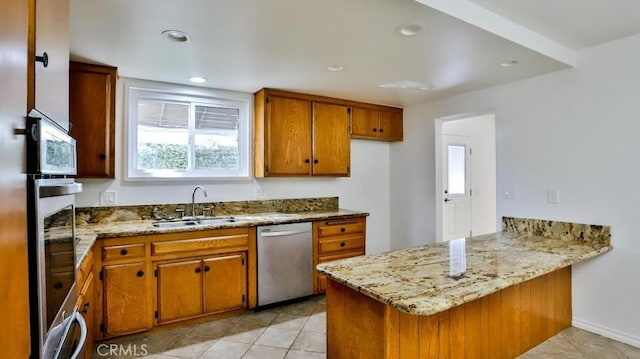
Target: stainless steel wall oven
[{"x": 58, "y": 330}]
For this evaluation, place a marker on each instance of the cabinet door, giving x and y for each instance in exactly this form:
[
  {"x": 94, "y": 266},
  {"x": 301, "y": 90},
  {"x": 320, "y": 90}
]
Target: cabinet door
[
  {"x": 179, "y": 290},
  {"x": 85, "y": 306},
  {"x": 126, "y": 309},
  {"x": 225, "y": 282},
  {"x": 52, "y": 37},
  {"x": 331, "y": 140},
  {"x": 391, "y": 126},
  {"x": 364, "y": 123},
  {"x": 288, "y": 137},
  {"x": 92, "y": 116}
]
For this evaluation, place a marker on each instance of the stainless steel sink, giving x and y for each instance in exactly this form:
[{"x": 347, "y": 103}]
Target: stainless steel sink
[
  {"x": 215, "y": 220},
  {"x": 191, "y": 222}
]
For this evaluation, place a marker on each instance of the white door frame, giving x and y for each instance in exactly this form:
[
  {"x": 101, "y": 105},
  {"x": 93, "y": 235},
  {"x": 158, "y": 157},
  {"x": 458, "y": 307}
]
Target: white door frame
[{"x": 439, "y": 196}]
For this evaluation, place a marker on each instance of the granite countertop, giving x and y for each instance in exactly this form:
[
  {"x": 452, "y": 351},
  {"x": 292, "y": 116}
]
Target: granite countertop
[
  {"x": 428, "y": 279},
  {"x": 89, "y": 233}
]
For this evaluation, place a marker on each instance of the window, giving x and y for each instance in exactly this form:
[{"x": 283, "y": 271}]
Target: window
[{"x": 182, "y": 132}]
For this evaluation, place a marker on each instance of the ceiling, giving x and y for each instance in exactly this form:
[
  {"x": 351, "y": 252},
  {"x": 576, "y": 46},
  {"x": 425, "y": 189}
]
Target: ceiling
[{"x": 245, "y": 45}]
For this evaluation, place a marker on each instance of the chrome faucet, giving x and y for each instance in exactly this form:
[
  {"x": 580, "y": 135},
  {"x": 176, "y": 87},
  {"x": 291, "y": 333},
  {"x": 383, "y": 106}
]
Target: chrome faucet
[{"x": 193, "y": 200}]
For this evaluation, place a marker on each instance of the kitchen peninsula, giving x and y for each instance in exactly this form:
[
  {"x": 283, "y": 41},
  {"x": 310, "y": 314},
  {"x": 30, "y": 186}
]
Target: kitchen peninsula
[{"x": 491, "y": 296}]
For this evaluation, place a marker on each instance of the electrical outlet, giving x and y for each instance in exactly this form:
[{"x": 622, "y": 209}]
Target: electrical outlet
[
  {"x": 259, "y": 193},
  {"x": 108, "y": 198},
  {"x": 553, "y": 196}
]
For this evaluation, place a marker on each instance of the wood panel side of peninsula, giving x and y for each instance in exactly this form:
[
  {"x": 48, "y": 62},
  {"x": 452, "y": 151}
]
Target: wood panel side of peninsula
[{"x": 504, "y": 324}]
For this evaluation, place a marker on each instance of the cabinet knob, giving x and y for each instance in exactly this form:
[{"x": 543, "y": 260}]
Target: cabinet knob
[
  {"x": 306, "y": 160},
  {"x": 57, "y": 285},
  {"x": 207, "y": 268},
  {"x": 342, "y": 244},
  {"x": 381, "y": 130},
  {"x": 85, "y": 308},
  {"x": 375, "y": 130},
  {"x": 124, "y": 252},
  {"x": 315, "y": 161},
  {"x": 102, "y": 156},
  {"x": 342, "y": 229},
  {"x": 44, "y": 59},
  {"x": 198, "y": 270},
  {"x": 140, "y": 273}
]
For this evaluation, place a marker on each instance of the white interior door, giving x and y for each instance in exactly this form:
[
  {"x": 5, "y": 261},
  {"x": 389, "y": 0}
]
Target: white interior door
[{"x": 456, "y": 187}]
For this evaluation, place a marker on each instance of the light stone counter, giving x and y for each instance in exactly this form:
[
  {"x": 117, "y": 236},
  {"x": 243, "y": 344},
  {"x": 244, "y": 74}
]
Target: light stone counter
[
  {"x": 419, "y": 280},
  {"x": 88, "y": 233}
]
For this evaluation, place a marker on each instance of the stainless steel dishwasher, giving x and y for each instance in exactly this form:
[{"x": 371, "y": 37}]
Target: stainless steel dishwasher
[{"x": 285, "y": 262}]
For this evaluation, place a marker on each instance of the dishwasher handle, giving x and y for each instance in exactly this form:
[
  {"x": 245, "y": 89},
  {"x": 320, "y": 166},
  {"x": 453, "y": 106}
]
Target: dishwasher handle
[{"x": 281, "y": 233}]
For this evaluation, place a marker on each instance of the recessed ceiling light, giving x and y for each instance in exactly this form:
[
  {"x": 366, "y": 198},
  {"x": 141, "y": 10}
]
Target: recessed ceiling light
[
  {"x": 409, "y": 29},
  {"x": 176, "y": 35},
  {"x": 197, "y": 79},
  {"x": 508, "y": 63},
  {"x": 335, "y": 68}
]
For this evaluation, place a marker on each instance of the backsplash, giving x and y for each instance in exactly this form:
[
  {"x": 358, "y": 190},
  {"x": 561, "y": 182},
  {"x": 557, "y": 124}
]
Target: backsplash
[
  {"x": 566, "y": 231},
  {"x": 89, "y": 215}
]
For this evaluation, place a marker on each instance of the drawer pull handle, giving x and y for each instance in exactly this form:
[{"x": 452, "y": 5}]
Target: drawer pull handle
[
  {"x": 198, "y": 270},
  {"x": 140, "y": 273},
  {"x": 342, "y": 244},
  {"x": 342, "y": 229},
  {"x": 124, "y": 252}
]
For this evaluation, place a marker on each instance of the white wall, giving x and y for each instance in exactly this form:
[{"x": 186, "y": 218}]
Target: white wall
[
  {"x": 366, "y": 190},
  {"x": 482, "y": 133},
  {"x": 576, "y": 131}
]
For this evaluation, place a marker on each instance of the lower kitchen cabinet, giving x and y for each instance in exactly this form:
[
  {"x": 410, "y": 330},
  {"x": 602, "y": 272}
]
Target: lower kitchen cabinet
[
  {"x": 336, "y": 239},
  {"x": 192, "y": 288},
  {"x": 179, "y": 290},
  {"x": 225, "y": 282},
  {"x": 86, "y": 307},
  {"x": 152, "y": 280},
  {"x": 126, "y": 309}
]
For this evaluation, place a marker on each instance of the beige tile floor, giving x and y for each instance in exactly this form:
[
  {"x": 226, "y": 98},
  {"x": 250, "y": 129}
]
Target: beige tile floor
[{"x": 298, "y": 331}]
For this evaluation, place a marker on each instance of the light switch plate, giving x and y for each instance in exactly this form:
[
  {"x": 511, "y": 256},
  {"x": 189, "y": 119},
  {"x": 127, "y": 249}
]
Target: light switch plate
[
  {"x": 259, "y": 193},
  {"x": 108, "y": 198},
  {"x": 553, "y": 196}
]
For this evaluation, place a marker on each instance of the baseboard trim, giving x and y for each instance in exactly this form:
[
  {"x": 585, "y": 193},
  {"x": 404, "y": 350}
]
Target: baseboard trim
[{"x": 607, "y": 332}]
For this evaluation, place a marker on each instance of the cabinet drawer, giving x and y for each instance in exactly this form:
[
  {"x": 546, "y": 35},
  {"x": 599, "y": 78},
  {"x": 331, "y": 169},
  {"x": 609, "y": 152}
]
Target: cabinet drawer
[
  {"x": 341, "y": 255},
  {"x": 338, "y": 227},
  {"x": 124, "y": 251},
  {"x": 340, "y": 243},
  {"x": 200, "y": 244}
]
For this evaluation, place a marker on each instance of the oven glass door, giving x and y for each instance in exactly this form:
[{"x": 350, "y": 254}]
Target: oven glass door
[{"x": 55, "y": 244}]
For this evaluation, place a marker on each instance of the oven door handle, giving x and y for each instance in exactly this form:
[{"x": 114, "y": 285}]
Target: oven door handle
[
  {"x": 60, "y": 190},
  {"x": 83, "y": 335}
]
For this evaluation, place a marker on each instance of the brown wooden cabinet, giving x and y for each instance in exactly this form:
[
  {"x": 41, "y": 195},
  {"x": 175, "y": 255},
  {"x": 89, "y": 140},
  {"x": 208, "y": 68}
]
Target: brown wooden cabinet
[
  {"x": 300, "y": 135},
  {"x": 49, "y": 85},
  {"x": 151, "y": 280},
  {"x": 196, "y": 287},
  {"x": 126, "y": 309},
  {"x": 336, "y": 239},
  {"x": 85, "y": 280},
  {"x": 92, "y": 114},
  {"x": 377, "y": 124}
]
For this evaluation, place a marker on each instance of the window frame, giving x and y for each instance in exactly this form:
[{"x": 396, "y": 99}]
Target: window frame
[{"x": 194, "y": 96}]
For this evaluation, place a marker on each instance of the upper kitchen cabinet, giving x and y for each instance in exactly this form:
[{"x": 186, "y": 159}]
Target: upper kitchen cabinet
[
  {"x": 300, "y": 135},
  {"x": 377, "y": 124},
  {"x": 92, "y": 114},
  {"x": 49, "y": 59}
]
